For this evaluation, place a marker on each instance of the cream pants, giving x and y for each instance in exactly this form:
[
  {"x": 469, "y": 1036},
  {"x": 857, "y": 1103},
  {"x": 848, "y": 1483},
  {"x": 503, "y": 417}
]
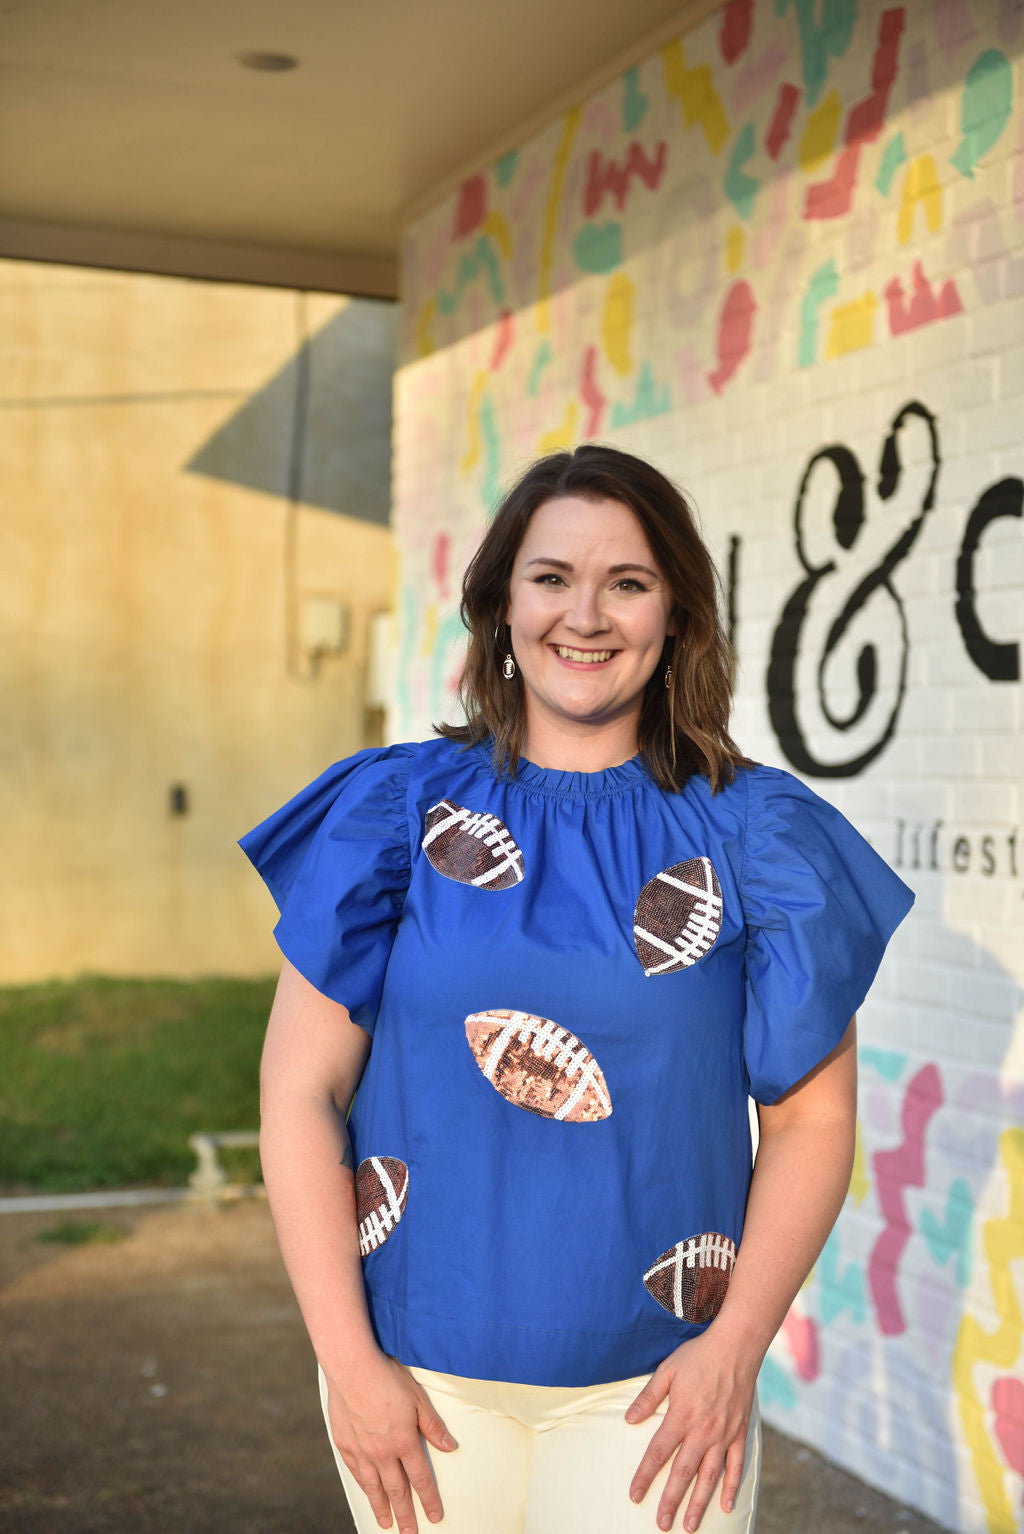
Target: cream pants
[{"x": 533, "y": 1459}]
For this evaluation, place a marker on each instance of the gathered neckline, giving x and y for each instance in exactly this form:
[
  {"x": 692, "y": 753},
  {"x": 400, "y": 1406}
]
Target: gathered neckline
[{"x": 562, "y": 784}]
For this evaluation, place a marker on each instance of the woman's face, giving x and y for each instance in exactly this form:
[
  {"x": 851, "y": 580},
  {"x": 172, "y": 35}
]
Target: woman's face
[{"x": 588, "y": 609}]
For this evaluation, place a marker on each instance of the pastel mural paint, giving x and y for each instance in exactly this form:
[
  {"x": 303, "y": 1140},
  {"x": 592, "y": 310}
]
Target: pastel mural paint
[{"x": 728, "y": 259}]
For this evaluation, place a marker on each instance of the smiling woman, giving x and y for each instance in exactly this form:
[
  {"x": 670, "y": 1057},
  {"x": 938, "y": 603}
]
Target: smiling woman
[{"x": 556, "y": 951}]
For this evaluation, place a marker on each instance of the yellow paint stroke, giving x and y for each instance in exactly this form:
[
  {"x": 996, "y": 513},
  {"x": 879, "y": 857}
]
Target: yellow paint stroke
[
  {"x": 424, "y": 340},
  {"x": 617, "y": 322},
  {"x": 694, "y": 89},
  {"x": 547, "y": 245},
  {"x": 428, "y": 642},
  {"x": 819, "y": 136},
  {"x": 735, "y": 248},
  {"x": 561, "y": 436},
  {"x": 852, "y": 326},
  {"x": 920, "y": 185},
  {"x": 1004, "y": 1245},
  {"x": 496, "y": 225},
  {"x": 860, "y": 1182},
  {"x": 474, "y": 451}
]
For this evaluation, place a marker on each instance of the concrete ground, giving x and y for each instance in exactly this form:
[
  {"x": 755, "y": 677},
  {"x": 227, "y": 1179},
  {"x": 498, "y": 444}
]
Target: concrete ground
[{"x": 162, "y": 1384}]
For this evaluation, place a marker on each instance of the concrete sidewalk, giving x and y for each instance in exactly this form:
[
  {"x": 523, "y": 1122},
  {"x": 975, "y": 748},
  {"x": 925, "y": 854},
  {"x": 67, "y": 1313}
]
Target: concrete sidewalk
[{"x": 162, "y": 1384}]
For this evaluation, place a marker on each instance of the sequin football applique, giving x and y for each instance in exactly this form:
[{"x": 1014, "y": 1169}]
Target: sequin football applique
[
  {"x": 472, "y": 847},
  {"x": 690, "y": 1279},
  {"x": 678, "y": 916},
  {"x": 382, "y": 1187},
  {"x": 538, "y": 1066}
]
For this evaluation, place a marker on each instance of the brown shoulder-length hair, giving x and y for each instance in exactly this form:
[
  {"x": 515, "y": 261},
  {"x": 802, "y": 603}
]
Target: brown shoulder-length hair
[{"x": 683, "y": 729}]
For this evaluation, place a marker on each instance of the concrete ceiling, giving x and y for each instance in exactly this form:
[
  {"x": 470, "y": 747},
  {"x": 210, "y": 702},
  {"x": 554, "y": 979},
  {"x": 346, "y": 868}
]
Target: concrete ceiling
[{"x": 132, "y": 135}]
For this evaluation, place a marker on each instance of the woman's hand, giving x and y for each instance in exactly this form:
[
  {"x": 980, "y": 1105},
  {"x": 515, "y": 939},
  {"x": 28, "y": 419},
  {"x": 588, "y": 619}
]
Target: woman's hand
[
  {"x": 376, "y": 1424},
  {"x": 710, "y": 1391}
]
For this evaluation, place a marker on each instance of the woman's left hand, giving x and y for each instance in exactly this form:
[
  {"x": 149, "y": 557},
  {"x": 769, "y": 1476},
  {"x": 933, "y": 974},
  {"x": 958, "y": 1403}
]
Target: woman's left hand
[{"x": 710, "y": 1391}]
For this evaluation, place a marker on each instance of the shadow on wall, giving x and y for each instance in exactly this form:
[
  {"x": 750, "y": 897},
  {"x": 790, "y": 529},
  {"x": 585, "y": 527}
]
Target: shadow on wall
[{"x": 320, "y": 431}]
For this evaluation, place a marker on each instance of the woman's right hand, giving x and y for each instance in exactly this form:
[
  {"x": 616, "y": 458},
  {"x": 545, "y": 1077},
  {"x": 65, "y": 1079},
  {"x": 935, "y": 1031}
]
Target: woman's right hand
[{"x": 377, "y": 1418}]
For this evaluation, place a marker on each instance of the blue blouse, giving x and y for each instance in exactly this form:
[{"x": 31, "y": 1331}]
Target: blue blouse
[{"x": 573, "y": 981}]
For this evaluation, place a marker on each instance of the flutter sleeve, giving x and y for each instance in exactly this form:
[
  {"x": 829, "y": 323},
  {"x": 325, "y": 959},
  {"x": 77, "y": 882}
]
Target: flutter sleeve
[
  {"x": 336, "y": 860},
  {"x": 820, "y": 907}
]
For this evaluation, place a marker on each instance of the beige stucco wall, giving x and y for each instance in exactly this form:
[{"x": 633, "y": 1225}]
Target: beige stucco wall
[{"x": 150, "y": 610}]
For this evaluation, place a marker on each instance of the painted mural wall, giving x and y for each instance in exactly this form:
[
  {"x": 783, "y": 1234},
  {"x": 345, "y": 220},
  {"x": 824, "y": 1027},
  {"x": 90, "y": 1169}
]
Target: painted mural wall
[{"x": 784, "y": 258}]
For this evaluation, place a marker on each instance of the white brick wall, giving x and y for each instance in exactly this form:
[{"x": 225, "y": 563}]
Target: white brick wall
[{"x": 918, "y": 1387}]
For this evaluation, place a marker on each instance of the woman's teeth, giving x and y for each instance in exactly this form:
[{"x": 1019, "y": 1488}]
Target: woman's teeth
[{"x": 586, "y": 656}]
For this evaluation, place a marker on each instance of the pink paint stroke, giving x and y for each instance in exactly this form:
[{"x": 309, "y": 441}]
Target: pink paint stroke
[
  {"x": 781, "y": 124},
  {"x": 503, "y": 339},
  {"x": 441, "y": 562},
  {"x": 757, "y": 77},
  {"x": 471, "y": 207},
  {"x": 926, "y": 304},
  {"x": 801, "y": 1332},
  {"x": 601, "y": 122},
  {"x": 612, "y": 178},
  {"x": 895, "y": 1170},
  {"x": 833, "y": 198},
  {"x": 734, "y": 33},
  {"x": 591, "y": 394},
  {"x": 691, "y": 373},
  {"x": 735, "y": 331},
  {"x": 997, "y": 274},
  {"x": 1008, "y": 1410}
]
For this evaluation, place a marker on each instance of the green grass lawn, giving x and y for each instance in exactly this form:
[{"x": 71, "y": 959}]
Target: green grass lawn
[{"x": 102, "y": 1081}]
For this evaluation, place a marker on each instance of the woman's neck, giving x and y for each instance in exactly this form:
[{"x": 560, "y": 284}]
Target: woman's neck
[{"x": 591, "y": 748}]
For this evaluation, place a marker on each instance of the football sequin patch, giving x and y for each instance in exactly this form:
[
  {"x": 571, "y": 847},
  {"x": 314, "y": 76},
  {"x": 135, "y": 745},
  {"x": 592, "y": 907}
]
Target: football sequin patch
[
  {"x": 472, "y": 847},
  {"x": 382, "y": 1187},
  {"x": 690, "y": 1279},
  {"x": 538, "y": 1066},
  {"x": 678, "y": 916}
]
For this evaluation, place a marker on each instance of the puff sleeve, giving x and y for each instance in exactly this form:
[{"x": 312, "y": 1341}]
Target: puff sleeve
[
  {"x": 820, "y": 906},
  {"x": 336, "y": 860}
]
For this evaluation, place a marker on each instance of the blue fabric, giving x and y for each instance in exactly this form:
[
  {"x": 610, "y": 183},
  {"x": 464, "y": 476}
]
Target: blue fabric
[{"x": 521, "y": 1250}]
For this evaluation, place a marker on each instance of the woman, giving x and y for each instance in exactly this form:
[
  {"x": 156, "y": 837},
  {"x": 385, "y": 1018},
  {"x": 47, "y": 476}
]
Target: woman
[{"x": 580, "y": 930}]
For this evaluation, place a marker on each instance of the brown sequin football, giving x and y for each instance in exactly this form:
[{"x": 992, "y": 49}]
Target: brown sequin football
[
  {"x": 691, "y": 1278},
  {"x": 472, "y": 847},
  {"x": 678, "y": 916},
  {"x": 382, "y": 1187},
  {"x": 538, "y": 1066}
]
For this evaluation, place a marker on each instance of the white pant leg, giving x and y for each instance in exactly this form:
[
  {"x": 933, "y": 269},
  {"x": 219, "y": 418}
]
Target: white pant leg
[
  {"x": 482, "y": 1483},
  {"x": 535, "y": 1459},
  {"x": 584, "y": 1463}
]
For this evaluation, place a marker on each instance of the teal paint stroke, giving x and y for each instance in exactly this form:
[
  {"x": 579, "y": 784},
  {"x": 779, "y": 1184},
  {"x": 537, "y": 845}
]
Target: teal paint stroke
[
  {"x": 824, "y": 284},
  {"x": 598, "y": 247},
  {"x": 490, "y": 484},
  {"x": 888, "y": 1063},
  {"x": 449, "y": 633},
  {"x": 839, "y": 1291},
  {"x": 540, "y": 362},
  {"x": 820, "y": 40},
  {"x": 893, "y": 156},
  {"x": 403, "y": 670},
  {"x": 952, "y": 1238},
  {"x": 650, "y": 400},
  {"x": 505, "y": 168},
  {"x": 634, "y": 102},
  {"x": 480, "y": 259},
  {"x": 740, "y": 188},
  {"x": 985, "y": 108},
  {"x": 774, "y": 1385}
]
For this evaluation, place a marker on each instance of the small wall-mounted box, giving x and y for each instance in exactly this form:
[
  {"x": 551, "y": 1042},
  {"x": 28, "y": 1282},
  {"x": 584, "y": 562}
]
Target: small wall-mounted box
[{"x": 324, "y": 623}]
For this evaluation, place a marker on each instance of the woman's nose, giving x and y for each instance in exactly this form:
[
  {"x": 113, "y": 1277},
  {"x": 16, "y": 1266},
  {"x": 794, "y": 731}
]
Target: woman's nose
[{"x": 587, "y": 614}]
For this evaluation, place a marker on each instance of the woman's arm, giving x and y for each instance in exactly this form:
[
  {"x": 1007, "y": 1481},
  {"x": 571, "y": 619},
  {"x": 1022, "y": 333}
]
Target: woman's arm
[
  {"x": 801, "y": 1176},
  {"x": 312, "y": 1060}
]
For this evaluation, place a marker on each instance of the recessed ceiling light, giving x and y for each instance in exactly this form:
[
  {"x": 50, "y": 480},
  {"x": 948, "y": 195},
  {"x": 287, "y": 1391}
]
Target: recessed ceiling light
[{"x": 269, "y": 63}]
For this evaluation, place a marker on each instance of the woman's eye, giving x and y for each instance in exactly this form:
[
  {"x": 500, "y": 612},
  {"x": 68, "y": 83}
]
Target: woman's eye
[
  {"x": 630, "y": 583},
  {"x": 550, "y": 579}
]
